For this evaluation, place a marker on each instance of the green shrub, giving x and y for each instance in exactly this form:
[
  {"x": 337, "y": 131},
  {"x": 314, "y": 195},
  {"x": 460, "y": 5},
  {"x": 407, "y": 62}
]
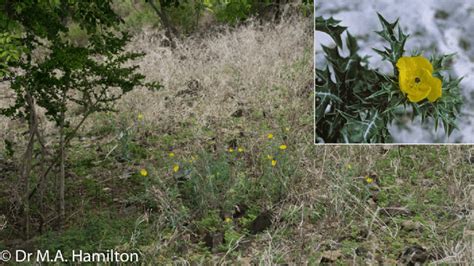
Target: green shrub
[
  {"x": 186, "y": 15},
  {"x": 234, "y": 11},
  {"x": 136, "y": 15}
]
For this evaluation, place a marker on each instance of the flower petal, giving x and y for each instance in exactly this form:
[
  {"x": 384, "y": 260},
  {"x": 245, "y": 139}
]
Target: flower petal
[
  {"x": 420, "y": 91},
  {"x": 422, "y": 63},
  {"x": 405, "y": 64},
  {"x": 436, "y": 91},
  {"x": 418, "y": 96},
  {"x": 404, "y": 81}
]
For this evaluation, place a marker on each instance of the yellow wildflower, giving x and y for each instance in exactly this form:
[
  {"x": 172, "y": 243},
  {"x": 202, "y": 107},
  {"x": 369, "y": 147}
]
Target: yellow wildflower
[
  {"x": 369, "y": 179},
  {"x": 140, "y": 117},
  {"x": 287, "y": 129},
  {"x": 231, "y": 150},
  {"x": 269, "y": 157},
  {"x": 175, "y": 168},
  {"x": 283, "y": 147},
  {"x": 416, "y": 79},
  {"x": 240, "y": 149},
  {"x": 171, "y": 154},
  {"x": 228, "y": 220},
  {"x": 270, "y": 136},
  {"x": 143, "y": 172},
  {"x": 274, "y": 162}
]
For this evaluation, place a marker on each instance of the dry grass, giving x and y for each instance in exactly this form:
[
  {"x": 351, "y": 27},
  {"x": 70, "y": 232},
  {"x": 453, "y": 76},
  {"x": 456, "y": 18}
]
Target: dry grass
[
  {"x": 263, "y": 72},
  {"x": 251, "y": 69},
  {"x": 325, "y": 212}
]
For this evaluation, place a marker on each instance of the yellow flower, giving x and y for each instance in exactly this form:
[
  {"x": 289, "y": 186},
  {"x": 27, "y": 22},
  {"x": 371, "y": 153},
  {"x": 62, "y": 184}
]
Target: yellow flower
[
  {"x": 143, "y": 172},
  {"x": 270, "y": 136},
  {"x": 140, "y": 117},
  {"x": 231, "y": 150},
  {"x": 269, "y": 157},
  {"x": 240, "y": 149},
  {"x": 274, "y": 162},
  {"x": 416, "y": 79},
  {"x": 228, "y": 220},
  {"x": 369, "y": 179},
  {"x": 171, "y": 154},
  {"x": 287, "y": 129},
  {"x": 283, "y": 147},
  {"x": 175, "y": 168}
]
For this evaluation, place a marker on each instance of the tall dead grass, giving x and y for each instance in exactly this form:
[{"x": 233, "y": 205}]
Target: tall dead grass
[{"x": 250, "y": 69}]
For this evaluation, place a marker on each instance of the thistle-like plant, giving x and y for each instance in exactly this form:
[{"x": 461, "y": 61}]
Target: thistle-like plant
[{"x": 355, "y": 103}]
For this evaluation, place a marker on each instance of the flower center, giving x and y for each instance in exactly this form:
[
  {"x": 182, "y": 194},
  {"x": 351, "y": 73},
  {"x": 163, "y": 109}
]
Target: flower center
[{"x": 417, "y": 80}]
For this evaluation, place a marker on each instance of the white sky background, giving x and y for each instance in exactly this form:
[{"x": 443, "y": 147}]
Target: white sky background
[{"x": 435, "y": 26}]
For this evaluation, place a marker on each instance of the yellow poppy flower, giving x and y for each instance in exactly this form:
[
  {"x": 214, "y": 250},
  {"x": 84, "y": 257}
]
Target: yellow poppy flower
[
  {"x": 283, "y": 147},
  {"x": 270, "y": 136},
  {"x": 274, "y": 162},
  {"x": 369, "y": 180},
  {"x": 175, "y": 168},
  {"x": 143, "y": 172},
  {"x": 416, "y": 79}
]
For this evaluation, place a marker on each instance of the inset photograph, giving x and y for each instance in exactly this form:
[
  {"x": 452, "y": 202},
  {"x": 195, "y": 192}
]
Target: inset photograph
[{"x": 385, "y": 75}]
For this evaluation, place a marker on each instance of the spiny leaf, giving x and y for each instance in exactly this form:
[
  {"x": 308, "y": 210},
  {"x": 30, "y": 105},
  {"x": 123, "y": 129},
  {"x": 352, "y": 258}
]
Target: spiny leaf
[
  {"x": 351, "y": 44},
  {"x": 388, "y": 27},
  {"x": 323, "y": 95},
  {"x": 331, "y": 27}
]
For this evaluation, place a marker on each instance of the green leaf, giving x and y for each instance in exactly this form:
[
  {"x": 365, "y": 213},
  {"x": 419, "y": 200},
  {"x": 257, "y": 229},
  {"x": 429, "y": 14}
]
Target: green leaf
[
  {"x": 328, "y": 95},
  {"x": 331, "y": 27},
  {"x": 351, "y": 44},
  {"x": 387, "y": 27}
]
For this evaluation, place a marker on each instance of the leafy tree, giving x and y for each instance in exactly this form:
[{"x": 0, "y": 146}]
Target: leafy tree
[
  {"x": 10, "y": 52},
  {"x": 55, "y": 74}
]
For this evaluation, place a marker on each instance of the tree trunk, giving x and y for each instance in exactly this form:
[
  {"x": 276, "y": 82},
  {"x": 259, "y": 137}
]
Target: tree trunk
[
  {"x": 27, "y": 162},
  {"x": 170, "y": 30},
  {"x": 62, "y": 208},
  {"x": 41, "y": 185}
]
